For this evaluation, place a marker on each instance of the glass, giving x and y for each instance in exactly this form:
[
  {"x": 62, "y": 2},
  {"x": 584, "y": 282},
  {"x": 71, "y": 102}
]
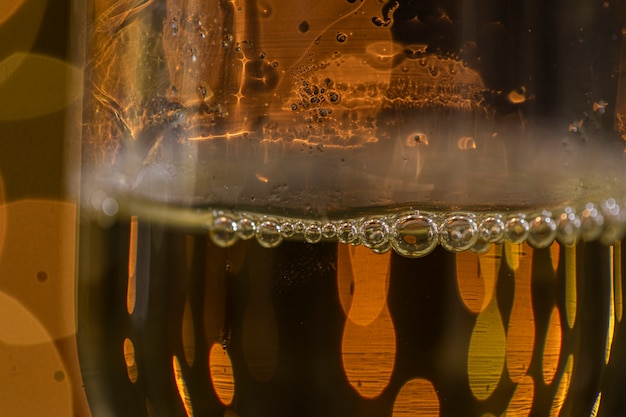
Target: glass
[{"x": 353, "y": 208}]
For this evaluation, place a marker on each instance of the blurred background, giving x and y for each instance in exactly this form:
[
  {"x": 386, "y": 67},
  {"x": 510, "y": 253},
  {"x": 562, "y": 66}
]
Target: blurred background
[{"x": 39, "y": 373}]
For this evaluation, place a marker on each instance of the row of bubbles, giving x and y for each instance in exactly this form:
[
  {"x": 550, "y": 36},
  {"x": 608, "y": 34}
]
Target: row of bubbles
[{"x": 416, "y": 233}]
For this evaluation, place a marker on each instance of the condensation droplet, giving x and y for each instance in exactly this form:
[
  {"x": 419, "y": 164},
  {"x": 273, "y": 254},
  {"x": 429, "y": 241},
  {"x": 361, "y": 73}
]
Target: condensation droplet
[
  {"x": 414, "y": 235},
  {"x": 313, "y": 233},
  {"x": 458, "y": 232},
  {"x": 223, "y": 231},
  {"x": 516, "y": 228},
  {"x": 268, "y": 234},
  {"x": 541, "y": 231},
  {"x": 568, "y": 227},
  {"x": 374, "y": 233}
]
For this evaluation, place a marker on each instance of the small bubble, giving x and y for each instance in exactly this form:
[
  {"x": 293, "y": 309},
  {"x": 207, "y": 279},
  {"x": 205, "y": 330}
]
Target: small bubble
[
  {"x": 313, "y": 233},
  {"x": 481, "y": 246},
  {"x": 174, "y": 27},
  {"x": 516, "y": 228},
  {"x": 591, "y": 222},
  {"x": 262, "y": 55},
  {"x": 268, "y": 234},
  {"x": 59, "y": 376},
  {"x": 294, "y": 107},
  {"x": 334, "y": 97},
  {"x": 246, "y": 228},
  {"x": 491, "y": 228},
  {"x": 600, "y": 106},
  {"x": 347, "y": 233},
  {"x": 42, "y": 276},
  {"x": 341, "y": 37},
  {"x": 287, "y": 229},
  {"x": 414, "y": 235},
  {"x": 110, "y": 206},
  {"x": 303, "y": 27},
  {"x": 542, "y": 231},
  {"x": 458, "y": 232},
  {"x": 417, "y": 139},
  {"x": 275, "y": 64},
  {"x": 374, "y": 233},
  {"x": 615, "y": 221},
  {"x": 329, "y": 231},
  {"x": 568, "y": 227},
  {"x": 223, "y": 231}
]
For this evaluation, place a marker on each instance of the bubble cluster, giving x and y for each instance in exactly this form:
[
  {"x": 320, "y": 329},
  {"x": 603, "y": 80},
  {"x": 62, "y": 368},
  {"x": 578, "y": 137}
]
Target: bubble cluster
[{"x": 416, "y": 233}]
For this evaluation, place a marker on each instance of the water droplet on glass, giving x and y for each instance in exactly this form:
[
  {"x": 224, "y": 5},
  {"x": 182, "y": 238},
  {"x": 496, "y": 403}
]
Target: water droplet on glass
[
  {"x": 458, "y": 232},
  {"x": 591, "y": 222},
  {"x": 246, "y": 228},
  {"x": 374, "y": 233},
  {"x": 347, "y": 233},
  {"x": 568, "y": 227},
  {"x": 516, "y": 228},
  {"x": 268, "y": 234},
  {"x": 223, "y": 231},
  {"x": 414, "y": 235},
  {"x": 481, "y": 246},
  {"x": 334, "y": 97},
  {"x": 541, "y": 230},
  {"x": 313, "y": 233}
]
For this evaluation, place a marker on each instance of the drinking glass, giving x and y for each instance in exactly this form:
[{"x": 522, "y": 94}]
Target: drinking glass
[{"x": 352, "y": 208}]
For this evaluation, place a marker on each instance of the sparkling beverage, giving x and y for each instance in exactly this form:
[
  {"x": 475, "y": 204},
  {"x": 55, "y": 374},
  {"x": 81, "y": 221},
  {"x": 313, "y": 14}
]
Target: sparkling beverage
[{"x": 352, "y": 208}]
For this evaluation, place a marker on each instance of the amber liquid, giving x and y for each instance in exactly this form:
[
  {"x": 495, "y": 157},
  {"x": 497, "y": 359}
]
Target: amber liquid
[{"x": 172, "y": 325}]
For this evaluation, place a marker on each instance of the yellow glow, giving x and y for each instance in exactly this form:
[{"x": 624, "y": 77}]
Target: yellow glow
[
  {"x": 417, "y": 397},
  {"x": 182, "y": 387},
  {"x": 570, "y": 285},
  {"x": 221, "y": 371},
  {"x": 369, "y": 275},
  {"x": 552, "y": 347},
  {"x": 131, "y": 291},
  {"x": 596, "y": 405},
  {"x": 512, "y": 252},
  {"x": 3, "y": 216},
  {"x": 555, "y": 254},
  {"x": 368, "y": 346},
  {"x": 487, "y": 352},
  {"x": 561, "y": 392},
  {"x": 610, "y": 331},
  {"x": 129, "y": 358},
  {"x": 521, "y": 328},
  {"x": 522, "y": 401},
  {"x": 476, "y": 277},
  {"x": 188, "y": 335},
  {"x": 619, "y": 301}
]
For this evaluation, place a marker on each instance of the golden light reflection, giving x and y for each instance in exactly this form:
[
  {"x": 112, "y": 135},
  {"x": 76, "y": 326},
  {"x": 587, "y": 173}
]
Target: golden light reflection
[
  {"x": 561, "y": 392},
  {"x": 617, "y": 270},
  {"x": 221, "y": 372},
  {"x": 521, "y": 328},
  {"x": 182, "y": 387},
  {"x": 417, "y": 397},
  {"x": 555, "y": 255},
  {"x": 188, "y": 335},
  {"x": 596, "y": 405},
  {"x": 129, "y": 358},
  {"x": 368, "y": 346},
  {"x": 131, "y": 291},
  {"x": 476, "y": 277},
  {"x": 487, "y": 352},
  {"x": 522, "y": 401},
  {"x": 610, "y": 332},
  {"x": 552, "y": 347},
  {"x": 571, "y": 295}
]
